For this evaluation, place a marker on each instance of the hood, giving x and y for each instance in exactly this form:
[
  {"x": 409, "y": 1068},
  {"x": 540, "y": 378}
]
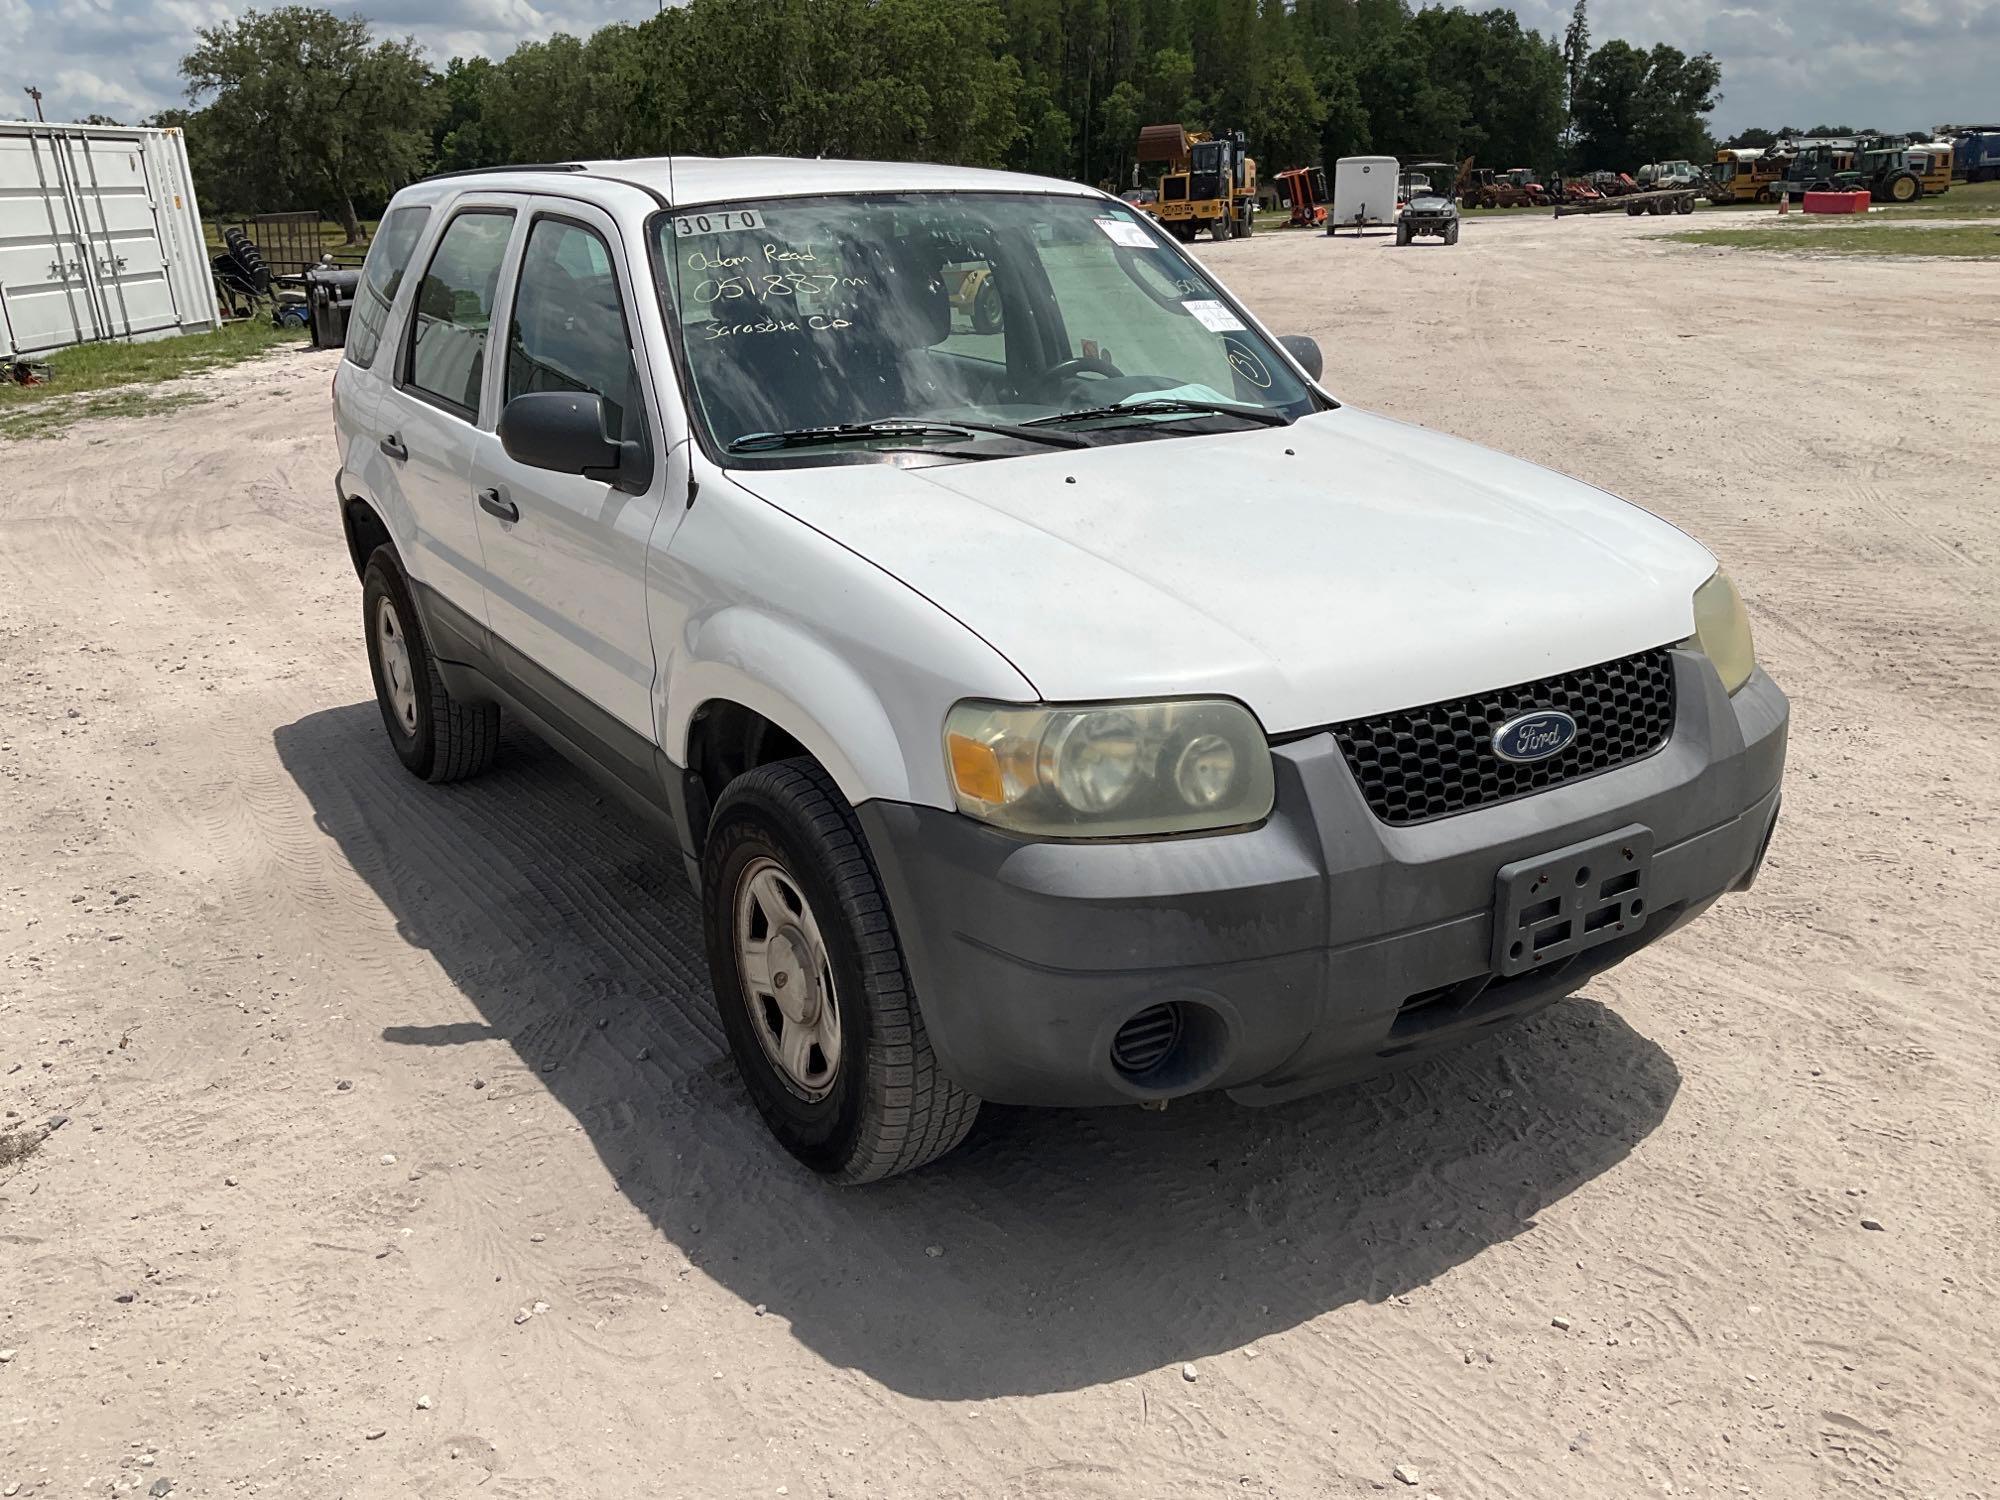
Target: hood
[{"x": 1343, "y": 566}]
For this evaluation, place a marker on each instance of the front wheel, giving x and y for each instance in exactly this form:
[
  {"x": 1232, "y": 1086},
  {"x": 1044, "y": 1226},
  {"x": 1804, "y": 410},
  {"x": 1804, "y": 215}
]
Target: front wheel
[
  {"x": 1451, "y": 234},
  {"x": 810, "y": 979}
]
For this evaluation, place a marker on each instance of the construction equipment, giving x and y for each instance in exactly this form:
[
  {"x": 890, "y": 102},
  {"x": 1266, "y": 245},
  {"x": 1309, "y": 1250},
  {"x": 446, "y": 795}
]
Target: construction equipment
[
  {"x": 1823, "y": 165},
  {"x": 1210, "y": 182},
  {"x": 1885, "y": 172},
  {"x": 1482, "y": 187},
  {"x": 1303, "y": 191},
  {"x": 1975, "y": 151},
  {"x": 1932, "y": 161},
  {"x": 1745, "y": 175}
]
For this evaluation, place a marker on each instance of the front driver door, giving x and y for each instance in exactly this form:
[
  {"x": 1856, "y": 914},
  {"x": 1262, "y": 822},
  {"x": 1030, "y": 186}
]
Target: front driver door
[{"x": 566, "y": 555}]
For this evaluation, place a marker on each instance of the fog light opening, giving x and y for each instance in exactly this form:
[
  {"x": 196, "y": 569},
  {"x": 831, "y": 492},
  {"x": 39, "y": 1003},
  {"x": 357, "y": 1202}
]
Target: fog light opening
[
  {"x": 1145, "y": 1041},
  {"x": 1171, "y": 1046}
]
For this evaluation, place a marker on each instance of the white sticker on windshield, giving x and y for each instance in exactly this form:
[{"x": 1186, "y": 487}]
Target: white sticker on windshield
[
  {"x": 718, "y": 221},
  {"x": 1214, "y": 317},
  {"x": 1125, "y": 232}
]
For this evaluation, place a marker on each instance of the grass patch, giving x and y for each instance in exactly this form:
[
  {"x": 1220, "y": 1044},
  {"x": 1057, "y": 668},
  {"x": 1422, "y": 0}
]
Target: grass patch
[
  {"x": 1832, "y": 237},
  {"x": 117, "y": 380},
  {"x": 1966, "y": 200}
]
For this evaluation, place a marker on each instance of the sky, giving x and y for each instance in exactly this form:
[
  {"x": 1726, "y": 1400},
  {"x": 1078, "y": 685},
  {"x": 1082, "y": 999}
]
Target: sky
[{"x": 1891, "y": 64}]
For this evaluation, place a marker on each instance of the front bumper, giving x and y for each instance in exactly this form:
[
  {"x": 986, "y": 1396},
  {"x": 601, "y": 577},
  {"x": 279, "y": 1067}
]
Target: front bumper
[{"x": 1319, "y": 946}]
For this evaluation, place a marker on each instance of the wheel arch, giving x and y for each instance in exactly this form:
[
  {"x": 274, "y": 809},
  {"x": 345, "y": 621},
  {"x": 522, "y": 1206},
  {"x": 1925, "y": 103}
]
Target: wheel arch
[
  {"x": 757, "y": 688},
  {"x": 365, "y": 530}
]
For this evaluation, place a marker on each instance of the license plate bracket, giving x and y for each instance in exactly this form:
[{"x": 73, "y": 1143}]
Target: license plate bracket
[{"x": 1553, "y": 906}]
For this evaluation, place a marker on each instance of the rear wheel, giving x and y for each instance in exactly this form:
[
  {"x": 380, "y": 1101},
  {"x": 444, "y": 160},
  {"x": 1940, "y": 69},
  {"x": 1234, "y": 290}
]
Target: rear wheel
[
  {"x": 435, "y": 735},
  {"x": 812, "y": 986},
  {"x": 1219, "y": 230}
]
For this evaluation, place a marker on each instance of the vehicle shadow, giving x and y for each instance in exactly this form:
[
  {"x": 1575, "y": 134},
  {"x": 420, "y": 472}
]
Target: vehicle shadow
[{"x": 1054, "y": 1250}]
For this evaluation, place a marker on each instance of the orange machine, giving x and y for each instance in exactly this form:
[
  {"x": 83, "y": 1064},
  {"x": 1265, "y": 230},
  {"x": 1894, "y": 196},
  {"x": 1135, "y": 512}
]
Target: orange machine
[{"x": 1303, "y": 191}]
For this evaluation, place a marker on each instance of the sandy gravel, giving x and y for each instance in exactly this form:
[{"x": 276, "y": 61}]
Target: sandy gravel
[{"x": 357, "y": 1072}]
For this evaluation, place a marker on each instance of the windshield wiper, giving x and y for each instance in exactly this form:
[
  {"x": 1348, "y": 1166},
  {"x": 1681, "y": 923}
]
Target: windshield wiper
[
  {"x": 1168, "y": 404},
  {"x": 894, "y": 427}
]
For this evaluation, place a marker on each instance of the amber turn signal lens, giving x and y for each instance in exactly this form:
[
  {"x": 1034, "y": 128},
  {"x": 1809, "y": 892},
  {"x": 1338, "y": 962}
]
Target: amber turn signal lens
[{"x": 975, "y": 769}]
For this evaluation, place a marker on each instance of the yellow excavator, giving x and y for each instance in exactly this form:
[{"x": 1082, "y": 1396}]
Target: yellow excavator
[{"x": 1210, "y": 181}]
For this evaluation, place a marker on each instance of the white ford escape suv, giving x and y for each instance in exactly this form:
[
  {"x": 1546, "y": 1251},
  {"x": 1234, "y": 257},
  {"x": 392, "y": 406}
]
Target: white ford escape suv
[{"x": 1055, "y": 695}]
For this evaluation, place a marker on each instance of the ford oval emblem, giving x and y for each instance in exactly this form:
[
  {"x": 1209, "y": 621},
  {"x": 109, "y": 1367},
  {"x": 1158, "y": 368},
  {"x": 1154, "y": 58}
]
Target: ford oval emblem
[{"x": 1535, "y": 736}]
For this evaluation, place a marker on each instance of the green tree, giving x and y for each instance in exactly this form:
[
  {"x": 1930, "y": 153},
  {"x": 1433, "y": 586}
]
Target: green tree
[
  {"x": 1284, "y": 124},
  {"x": 1636, "y": 107},
  {"x": 1576, "y": 57},
  {"x": 306, "y": 106}
]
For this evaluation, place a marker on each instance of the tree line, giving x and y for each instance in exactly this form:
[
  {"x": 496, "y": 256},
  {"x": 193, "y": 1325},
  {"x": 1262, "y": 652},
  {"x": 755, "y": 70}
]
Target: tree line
[{"x": 299, "y": 107}]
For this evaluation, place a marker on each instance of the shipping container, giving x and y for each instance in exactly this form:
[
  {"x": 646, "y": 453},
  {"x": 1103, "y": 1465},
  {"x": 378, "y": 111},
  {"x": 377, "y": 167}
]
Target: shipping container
[{"x": 100, "y": 237}]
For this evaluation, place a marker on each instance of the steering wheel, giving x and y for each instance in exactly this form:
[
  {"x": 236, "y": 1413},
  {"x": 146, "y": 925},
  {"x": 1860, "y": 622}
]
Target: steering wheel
[{"x": 1084, "y": 363}]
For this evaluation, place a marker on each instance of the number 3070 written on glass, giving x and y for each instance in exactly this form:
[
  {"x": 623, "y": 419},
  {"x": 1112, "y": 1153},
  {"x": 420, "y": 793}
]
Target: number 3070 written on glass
[{"x": 721, "y": 221}]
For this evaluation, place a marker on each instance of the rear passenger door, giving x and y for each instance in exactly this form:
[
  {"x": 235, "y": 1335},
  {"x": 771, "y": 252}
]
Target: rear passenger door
[
  {"x": 565, "y": 554},
  {"x": 430, "y": 415}
]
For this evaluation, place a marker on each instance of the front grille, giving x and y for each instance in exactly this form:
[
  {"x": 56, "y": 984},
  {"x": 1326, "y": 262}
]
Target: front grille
[{"x": 1424, "y": 763}]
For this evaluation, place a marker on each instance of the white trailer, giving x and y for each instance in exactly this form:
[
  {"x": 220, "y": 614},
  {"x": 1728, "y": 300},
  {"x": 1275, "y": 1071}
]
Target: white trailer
[
  {"x": 1364, "y": 192},
  {"x": 100, "y": 237}
]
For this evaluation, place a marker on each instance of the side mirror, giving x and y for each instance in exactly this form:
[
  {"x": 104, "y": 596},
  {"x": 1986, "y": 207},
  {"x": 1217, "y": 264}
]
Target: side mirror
[
  {"x": 1302, "y": 348},
  {"x": 564, "y": 431}
]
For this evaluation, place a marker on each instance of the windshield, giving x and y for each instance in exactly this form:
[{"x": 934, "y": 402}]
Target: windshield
[{"x": 1002, "y": 309}]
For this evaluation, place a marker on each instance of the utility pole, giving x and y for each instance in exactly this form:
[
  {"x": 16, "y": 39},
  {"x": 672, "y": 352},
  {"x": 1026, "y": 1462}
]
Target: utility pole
[{"x": 36, "y": 95}]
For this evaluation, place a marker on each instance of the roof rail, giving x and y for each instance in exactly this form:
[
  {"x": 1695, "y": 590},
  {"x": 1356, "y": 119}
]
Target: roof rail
[{"x": 526, "y": 166}]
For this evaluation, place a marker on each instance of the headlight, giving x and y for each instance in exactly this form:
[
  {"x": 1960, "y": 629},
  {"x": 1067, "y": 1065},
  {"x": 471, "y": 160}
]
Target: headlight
[
  {"x": 1109, "y": 770},
  {"x": 1722, "y": 631}
]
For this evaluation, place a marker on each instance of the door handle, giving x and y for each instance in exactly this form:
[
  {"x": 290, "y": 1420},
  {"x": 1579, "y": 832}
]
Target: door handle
[
  {"x": 393, "y": 446},
  {"x": 496, "y": 504}
]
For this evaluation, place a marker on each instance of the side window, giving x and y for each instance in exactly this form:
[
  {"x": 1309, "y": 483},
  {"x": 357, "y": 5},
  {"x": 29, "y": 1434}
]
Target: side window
[
  {"x": 454, "y": 307},
  {"x": 568, "y": 332},
  {"x": 381, "y": 274}
]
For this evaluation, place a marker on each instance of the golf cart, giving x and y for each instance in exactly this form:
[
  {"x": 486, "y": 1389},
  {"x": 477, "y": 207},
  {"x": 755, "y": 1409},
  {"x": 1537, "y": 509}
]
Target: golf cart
[{"x": 1427, "y": 206}]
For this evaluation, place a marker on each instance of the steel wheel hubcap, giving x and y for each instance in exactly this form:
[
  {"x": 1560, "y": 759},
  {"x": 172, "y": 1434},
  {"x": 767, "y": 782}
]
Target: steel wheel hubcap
[
  {"x": 397, "y": 679},
  {"x": 787, "y": 979}
]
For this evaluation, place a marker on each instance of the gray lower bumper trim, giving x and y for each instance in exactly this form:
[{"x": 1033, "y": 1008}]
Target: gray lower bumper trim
[{"x": 1317, "y": 947}]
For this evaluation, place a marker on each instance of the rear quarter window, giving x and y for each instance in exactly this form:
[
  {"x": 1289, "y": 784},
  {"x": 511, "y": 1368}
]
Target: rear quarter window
[{"x": 381, "y": 274}]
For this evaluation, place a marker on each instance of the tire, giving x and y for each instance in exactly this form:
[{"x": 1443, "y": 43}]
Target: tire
[
  {"x": 1905, "y": 189},
  {"x": 1451, "y": 234},
  {"x": 986, "y": 308},
  {"x": 1249, "y": 224},
  {"x": 879, "y": 1105},
  {"x": 1686, "y": 205},
  {"x": 1402, "y": 234},
  {"x": 1219, "y": 230},
  {"x": 434, "y": 735}
]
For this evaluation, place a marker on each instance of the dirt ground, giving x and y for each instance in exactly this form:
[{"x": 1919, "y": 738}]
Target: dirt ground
[{"x": 402, "y": 1155}]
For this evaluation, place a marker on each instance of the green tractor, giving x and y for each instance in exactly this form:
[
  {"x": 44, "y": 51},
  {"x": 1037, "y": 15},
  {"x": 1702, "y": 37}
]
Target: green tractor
[{"x": 1887, "y": 176}]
